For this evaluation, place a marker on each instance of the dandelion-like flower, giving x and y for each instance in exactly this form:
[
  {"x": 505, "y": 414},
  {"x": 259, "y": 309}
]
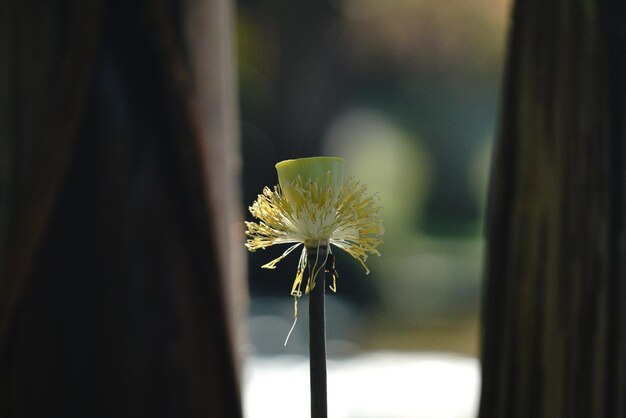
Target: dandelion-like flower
[{"x": 314, "y": 208}]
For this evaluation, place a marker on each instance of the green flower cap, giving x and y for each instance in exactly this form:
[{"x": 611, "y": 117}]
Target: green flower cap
[{"x": 318, "y": 170}]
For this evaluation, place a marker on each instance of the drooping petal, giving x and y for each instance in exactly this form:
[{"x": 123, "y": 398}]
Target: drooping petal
[
  {"x": 297, "y": 283},
  {"x": 318, "y": 265},
  {"x": 272, "y": 264}
]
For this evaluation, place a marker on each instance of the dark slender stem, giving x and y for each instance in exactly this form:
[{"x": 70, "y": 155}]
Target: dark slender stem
[{"x": 317, "y": 348}]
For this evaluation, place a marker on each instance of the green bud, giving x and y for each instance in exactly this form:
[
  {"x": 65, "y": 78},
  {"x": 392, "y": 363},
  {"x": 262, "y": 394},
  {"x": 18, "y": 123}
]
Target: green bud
[{"x": 319, "y": 170}]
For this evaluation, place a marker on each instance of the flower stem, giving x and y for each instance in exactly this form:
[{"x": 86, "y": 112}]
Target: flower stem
[{"x": 317, "y": 346}]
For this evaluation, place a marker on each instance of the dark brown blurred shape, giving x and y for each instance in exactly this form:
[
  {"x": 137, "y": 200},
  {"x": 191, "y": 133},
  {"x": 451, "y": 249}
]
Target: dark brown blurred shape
[
  {"x": 117, "y": 187},
  {"x": 555, "y": 303}
]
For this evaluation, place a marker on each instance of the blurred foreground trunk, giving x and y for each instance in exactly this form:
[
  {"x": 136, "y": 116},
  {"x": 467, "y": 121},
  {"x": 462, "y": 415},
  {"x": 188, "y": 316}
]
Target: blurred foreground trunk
[
  {"x": 117, "y": 194},
  {"x": 554, "y": 319}
]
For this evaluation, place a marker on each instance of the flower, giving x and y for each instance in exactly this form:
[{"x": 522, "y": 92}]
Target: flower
[{"x": 312, "y": 206}]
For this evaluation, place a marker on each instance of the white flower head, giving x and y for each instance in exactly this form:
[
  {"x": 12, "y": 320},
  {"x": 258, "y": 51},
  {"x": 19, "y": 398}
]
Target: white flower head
[{"x": 312, "y": 206}]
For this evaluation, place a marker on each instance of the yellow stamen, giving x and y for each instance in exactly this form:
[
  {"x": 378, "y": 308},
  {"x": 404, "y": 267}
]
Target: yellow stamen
[{"x": 314, "y": 207}]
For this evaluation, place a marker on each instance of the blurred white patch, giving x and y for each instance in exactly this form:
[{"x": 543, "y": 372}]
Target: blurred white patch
[
  {"x": 374, "y": 385},
  {"x": 392, "y": 164}
]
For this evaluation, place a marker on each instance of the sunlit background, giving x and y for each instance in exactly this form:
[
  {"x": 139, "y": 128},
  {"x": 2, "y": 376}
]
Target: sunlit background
[{"x": 407, "y": 92}]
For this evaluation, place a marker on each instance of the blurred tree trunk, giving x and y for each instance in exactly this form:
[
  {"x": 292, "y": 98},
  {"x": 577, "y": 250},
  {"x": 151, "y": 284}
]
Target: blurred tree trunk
[
  {"x": 554, "y": 319},
  {"x": 117, "y": 197}
]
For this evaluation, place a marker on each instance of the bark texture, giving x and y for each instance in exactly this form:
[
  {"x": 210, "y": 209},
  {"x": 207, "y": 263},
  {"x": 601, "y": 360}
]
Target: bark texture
[
  {"x": 118, "y": 173},
  {"x": 554, "y": 317}
]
